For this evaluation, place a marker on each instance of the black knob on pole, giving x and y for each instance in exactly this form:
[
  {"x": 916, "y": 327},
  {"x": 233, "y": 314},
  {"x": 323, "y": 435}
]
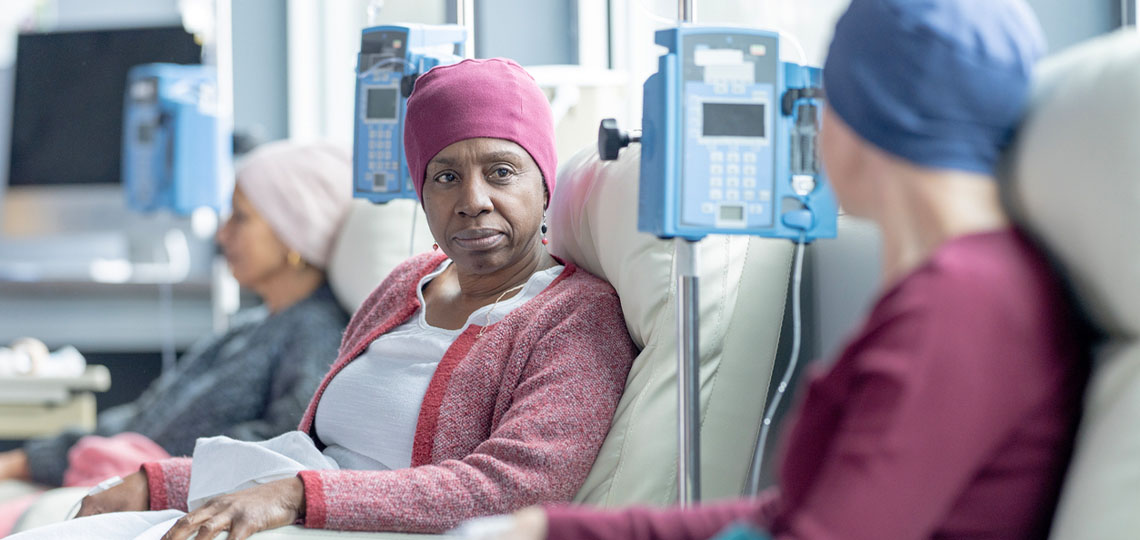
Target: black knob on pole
[
  {"x": 407, "y": 84},
  {"x": 611, "y": 139}
]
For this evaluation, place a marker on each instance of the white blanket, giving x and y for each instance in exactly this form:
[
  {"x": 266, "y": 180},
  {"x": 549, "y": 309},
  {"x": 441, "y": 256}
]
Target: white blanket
[{"x": 221, "y": 465}]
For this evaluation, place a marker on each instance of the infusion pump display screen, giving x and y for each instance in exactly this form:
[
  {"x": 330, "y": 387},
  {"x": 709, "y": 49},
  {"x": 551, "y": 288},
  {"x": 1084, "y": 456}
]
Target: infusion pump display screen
[
  {"x": 382, "y": 103},
  {"x": 733, "y": 119}
]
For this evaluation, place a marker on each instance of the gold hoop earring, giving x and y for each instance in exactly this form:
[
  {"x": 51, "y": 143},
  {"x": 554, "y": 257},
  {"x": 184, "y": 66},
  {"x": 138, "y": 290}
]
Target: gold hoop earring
[{"x": 294, "y": 259}]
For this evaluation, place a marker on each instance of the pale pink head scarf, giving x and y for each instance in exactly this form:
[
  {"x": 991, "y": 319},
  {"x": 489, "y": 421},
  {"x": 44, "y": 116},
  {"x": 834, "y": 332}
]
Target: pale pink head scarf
[{"x": 302, "y": 190}]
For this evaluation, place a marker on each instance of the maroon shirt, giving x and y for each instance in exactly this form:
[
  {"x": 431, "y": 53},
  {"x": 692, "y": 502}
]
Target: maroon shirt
[{"x": 951, "y": 414}]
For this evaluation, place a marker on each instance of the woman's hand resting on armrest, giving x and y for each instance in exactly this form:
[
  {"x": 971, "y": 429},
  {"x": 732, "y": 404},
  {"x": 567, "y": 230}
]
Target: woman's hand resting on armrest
[{"x": 132, "y": 495}]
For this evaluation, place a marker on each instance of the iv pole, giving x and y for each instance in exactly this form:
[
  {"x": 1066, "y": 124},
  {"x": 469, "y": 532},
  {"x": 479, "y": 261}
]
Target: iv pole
[
  {"x": 688, "y": 356},
  {"x": 217, "y": 50}
]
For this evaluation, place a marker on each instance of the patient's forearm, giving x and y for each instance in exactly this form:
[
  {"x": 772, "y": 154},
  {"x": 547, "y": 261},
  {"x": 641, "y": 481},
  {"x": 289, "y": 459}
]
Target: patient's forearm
[{"x": 14, "y": 466}]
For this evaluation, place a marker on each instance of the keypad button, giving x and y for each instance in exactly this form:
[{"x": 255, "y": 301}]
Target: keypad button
[
  {"x": 749, "y": 195},
  {"x": 716, "y": 181},
  {"x": 716, "y": 169},
  {"x": 749, "y": 183},
  {"x": 733, "y": 170},
  {"x": 733, "y": 157},
  {"x": 749, "y": 170},
  {"x": 716, "y": 194},
  {"x": 716, "y": 156},
  {"x": 732, "y": 182},
  {"x": 764, "y": 195},
  {"x": 749, "y": 157},
  {"x": 755, "y": 209},
  {"x": 732, "y": 195}
]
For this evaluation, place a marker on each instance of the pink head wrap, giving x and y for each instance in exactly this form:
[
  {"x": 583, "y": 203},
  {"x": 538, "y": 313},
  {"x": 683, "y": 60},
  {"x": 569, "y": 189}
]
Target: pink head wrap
[
  {"x": 302, "y": 190},
  {"x": 493, "y": 98}
]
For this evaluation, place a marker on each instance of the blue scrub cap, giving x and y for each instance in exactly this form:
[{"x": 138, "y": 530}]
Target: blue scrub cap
[{"x": 939, "y": 83}]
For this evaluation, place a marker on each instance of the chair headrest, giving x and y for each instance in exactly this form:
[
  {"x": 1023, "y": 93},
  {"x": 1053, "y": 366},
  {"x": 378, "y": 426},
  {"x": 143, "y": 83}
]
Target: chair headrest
[
  {"x": 1076, "y": 173},
  {"x": 373, "y": 240},
  {"x": 599, "y": 233}
]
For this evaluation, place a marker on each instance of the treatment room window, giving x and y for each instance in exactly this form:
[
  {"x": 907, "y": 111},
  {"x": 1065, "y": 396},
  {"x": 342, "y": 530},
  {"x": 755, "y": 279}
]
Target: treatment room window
[{"x": 550, "y": 32}]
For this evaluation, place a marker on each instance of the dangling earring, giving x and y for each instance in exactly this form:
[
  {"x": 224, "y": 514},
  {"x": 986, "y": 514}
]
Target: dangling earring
[
  {"x": 435, "y": 247},
  {"x": 294, "y": 259},
  {"x": 545, "y": 241}
]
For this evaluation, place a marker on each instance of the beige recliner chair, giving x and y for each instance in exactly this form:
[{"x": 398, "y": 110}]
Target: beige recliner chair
[
  {"x": 593, "y": 223},
  {"x": 1076, "y": 186}
]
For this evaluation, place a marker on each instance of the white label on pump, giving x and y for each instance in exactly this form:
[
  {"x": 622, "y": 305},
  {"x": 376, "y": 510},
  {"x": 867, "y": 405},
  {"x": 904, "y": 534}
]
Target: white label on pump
[
  {"x": 717, "y": 57},
  {"x": 725, "y": 67},
  {"x": 208, "y": 100},
  {"x": 742, "y": 73}
]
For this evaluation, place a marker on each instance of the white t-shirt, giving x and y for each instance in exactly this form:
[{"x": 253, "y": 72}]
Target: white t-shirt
[{"x": 368, "y": 414}]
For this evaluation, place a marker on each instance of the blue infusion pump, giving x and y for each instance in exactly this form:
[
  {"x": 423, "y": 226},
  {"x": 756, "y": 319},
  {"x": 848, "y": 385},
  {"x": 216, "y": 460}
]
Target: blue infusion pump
[
  {"x": 729, "y": 140},
  {"x": 175, "y": 156},
  {"x": 390, "y": 59}
]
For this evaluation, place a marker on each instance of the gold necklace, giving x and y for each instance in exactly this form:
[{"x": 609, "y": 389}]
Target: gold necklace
[{"x": 487, "y": 318}]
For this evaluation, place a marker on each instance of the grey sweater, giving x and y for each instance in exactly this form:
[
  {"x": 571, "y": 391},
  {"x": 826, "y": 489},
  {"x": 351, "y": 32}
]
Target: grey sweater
[{"x": 251, "y": 383}]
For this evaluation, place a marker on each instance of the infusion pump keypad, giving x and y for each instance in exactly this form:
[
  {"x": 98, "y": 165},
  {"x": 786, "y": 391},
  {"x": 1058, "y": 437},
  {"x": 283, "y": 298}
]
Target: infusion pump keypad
[
  {"x": 734, "y": 186},
  {"x": 378, "y": 145},
  {"x": 382, "y": 159},
  {"x": 727, "y": 142}
]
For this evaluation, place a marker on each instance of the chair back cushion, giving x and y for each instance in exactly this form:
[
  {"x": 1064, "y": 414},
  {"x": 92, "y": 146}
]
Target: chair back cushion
[{"x": 1075, "y": 174}]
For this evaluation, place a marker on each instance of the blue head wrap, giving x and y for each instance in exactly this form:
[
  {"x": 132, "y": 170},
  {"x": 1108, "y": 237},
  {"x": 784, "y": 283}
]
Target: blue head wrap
[{"x": 940, "y": 83}]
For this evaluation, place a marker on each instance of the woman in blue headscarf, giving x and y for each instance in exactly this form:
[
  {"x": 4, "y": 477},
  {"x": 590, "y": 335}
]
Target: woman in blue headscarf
[{"x": 952, "y": 412}]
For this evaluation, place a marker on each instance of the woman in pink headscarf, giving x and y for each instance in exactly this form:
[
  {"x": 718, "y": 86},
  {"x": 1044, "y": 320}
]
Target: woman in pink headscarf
[{"x": 478, "y": 378}]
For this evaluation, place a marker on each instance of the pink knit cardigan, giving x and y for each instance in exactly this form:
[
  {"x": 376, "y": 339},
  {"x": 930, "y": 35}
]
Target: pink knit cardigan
[{"x": 510, "y": 419}]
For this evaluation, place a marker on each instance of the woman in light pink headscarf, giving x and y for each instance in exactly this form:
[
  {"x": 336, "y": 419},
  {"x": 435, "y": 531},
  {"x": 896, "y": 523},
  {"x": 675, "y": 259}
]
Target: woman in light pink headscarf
[{"x": 253, "y": 381}]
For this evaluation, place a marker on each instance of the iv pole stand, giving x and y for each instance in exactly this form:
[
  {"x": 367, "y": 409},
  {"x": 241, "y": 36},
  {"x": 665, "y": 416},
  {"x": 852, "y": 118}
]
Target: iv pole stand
[
  {"x": 688, "y": 356},
  {"x": 688, "y": 374}
]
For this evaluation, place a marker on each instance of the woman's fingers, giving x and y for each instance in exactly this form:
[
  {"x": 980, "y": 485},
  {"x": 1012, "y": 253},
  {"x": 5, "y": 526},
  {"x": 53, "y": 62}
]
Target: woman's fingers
[
  {"x": 242, "y": 529},
  {"x": 190, "y": 524},
  {"x": 213, "y": 526}
]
